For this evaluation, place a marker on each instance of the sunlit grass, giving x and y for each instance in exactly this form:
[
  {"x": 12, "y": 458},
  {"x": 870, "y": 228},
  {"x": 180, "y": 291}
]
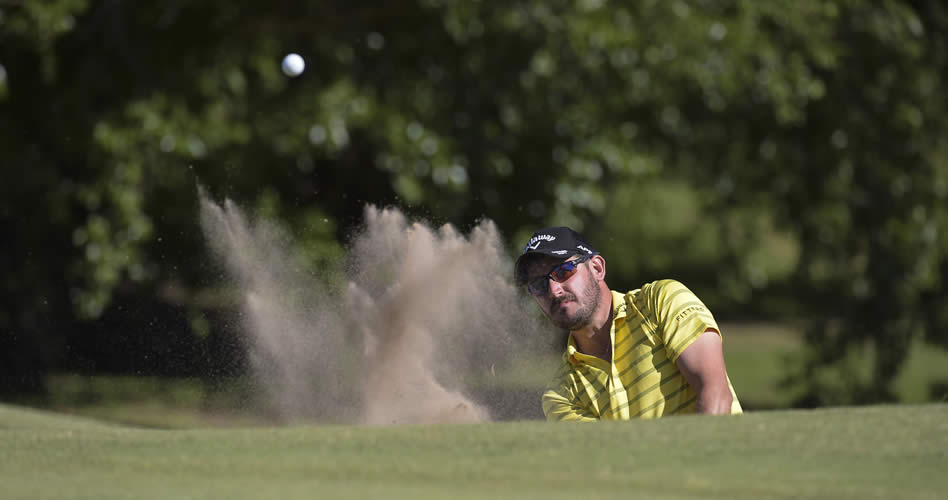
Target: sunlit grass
[
  {"x": 759, "y": 358},
  {"x": 870, "y": 452}
]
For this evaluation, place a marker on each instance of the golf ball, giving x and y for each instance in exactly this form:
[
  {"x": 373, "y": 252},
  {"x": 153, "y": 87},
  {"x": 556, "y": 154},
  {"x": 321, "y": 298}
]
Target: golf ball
[{"x": 293, "y": 65}]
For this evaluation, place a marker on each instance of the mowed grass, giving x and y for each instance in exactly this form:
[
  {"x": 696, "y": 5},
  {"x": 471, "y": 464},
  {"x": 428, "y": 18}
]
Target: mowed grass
[
  {"x": 761, "y": 357},
  {"x": 870, "y": 452}
]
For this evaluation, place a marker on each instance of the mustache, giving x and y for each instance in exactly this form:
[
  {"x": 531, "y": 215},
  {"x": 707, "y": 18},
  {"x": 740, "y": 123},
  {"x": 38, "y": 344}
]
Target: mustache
[{"x": 559, "y": 300}]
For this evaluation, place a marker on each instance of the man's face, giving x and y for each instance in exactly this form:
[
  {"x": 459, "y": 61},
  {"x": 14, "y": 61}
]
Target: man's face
[{"x": 569, "y": 304}]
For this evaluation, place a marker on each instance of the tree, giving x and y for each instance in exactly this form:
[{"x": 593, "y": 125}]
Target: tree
[{"x": 812, "y": 127}]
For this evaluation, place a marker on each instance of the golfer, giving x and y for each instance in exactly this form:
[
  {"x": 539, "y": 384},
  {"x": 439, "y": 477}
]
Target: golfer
[{"x": 648, "y": 353}]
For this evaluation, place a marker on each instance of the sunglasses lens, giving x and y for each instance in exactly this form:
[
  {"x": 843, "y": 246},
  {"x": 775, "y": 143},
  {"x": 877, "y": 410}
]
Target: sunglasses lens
[
  {"x": 538, "y": 286},
  {"x": 559, "y": 274},
  {"x": 564, "y": 271}
]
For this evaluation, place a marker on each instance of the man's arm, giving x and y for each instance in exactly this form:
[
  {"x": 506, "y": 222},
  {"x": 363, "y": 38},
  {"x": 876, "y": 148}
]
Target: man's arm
[
  {"x": 559, "y": 409},
  {"x": 702, "y": 364}
]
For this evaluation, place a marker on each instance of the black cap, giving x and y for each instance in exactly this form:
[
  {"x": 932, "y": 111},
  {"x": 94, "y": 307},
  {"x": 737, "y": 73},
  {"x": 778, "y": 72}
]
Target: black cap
[{"x": 553, "y": 241}]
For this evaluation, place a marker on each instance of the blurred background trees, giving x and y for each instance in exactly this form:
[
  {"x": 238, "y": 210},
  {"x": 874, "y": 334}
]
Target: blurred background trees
[{"x": 785, "y": 159}]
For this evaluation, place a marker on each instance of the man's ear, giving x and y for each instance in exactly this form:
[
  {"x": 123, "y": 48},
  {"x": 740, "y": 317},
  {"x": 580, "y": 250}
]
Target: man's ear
[{"x": 598, "y": 266}]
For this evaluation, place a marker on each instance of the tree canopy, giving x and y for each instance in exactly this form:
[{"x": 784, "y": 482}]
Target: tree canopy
[{"x": 785, "y": 159}]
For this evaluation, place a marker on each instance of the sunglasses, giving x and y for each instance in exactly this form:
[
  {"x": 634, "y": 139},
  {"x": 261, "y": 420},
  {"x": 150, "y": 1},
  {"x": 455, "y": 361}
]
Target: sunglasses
[{"x": 541, "y": 284}]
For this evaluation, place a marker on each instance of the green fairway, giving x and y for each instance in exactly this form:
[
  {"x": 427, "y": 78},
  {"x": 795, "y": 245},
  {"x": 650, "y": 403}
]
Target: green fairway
[
  {"x": 760, "y": 357},
  {"x": 874, "y": 452}
]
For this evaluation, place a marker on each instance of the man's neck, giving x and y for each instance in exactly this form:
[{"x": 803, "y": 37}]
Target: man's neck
[{"x": 595, "y": 339}]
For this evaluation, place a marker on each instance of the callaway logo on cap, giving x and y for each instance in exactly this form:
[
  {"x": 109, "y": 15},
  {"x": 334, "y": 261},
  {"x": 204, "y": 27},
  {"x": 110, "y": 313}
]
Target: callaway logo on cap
[{"x": 558, "y": 241}]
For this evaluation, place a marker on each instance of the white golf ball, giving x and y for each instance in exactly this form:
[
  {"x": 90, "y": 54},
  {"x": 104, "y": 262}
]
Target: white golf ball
[{"x": 293, "y": 65}]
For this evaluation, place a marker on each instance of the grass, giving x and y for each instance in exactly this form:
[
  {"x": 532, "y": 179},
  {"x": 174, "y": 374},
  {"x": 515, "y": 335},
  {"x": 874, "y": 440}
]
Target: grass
[
  {"x": 869, "y": 452},
  {"x": 925, "y": 377},
  {"x": 154, "y": 401},
  {"x": 759, "y": 356}
]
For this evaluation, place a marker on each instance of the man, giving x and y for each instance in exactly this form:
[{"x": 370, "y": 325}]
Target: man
[{"x": 651, "y": 352}]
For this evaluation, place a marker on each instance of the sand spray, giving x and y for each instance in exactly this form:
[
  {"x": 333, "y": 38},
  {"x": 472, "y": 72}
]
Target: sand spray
[{"x": 405, "y": 329}]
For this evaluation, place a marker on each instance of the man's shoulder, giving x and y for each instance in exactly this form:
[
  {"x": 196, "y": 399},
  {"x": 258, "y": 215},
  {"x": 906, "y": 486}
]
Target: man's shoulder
[
  {"x": 653, "y": 288},
  {"x": 651, "y": 297}
]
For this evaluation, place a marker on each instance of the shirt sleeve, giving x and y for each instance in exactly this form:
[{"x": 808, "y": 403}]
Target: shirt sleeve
[
  {"x": 680, "y": 315},
  {"x": 560, "y": 403},
  {"x": 559, "y": 407}
]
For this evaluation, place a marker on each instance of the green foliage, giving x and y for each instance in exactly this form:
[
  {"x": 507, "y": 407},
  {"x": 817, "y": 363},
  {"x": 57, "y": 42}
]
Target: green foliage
[{"x": 784, "y": 158}]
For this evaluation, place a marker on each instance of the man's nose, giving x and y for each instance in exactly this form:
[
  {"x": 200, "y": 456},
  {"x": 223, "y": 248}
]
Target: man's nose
[{"x": 556, "y": 288}]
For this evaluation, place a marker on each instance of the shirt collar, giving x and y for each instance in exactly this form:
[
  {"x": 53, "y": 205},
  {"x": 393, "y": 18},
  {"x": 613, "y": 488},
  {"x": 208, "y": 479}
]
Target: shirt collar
[
  {"x": 619, "y": 306},
  {"x": 619, "y": 310}
]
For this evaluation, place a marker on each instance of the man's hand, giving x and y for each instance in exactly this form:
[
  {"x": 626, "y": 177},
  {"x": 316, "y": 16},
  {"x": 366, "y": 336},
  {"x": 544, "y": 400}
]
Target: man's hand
[{"x": 702, "y": 364}]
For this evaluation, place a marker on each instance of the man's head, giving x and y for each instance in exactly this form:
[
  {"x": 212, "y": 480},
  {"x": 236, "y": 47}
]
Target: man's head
[{"x": 564, "y": 274}]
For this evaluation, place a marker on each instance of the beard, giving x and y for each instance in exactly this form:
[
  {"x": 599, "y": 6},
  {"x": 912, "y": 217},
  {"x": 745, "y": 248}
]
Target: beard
[{"x": 588, "y": 302}]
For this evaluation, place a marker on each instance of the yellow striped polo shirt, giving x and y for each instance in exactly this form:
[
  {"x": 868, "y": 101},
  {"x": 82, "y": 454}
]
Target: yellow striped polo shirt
[{"x": 650, "y": 329}]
